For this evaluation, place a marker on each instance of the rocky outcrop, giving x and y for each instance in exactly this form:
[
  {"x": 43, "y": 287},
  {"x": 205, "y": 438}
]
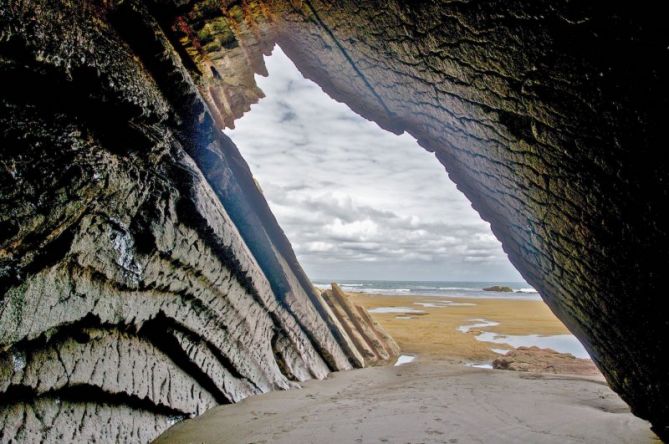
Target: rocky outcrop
[
  {"x": 544, "y": 360},
  {"x": 142, "y": 277},
  {"x": 124, "y": 211},
  {"x": 499, "y": 288},
  {"x": 549, "y": 117},
  {"x": 373, "y": 343}
]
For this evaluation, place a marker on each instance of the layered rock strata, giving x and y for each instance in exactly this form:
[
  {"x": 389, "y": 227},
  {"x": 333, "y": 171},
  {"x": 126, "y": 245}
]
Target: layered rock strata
[
  {"x": 373, "y": 342},
  {"x": 125, "y": 213},
  {"x": 549, "y": 117},
  {"x": 143, "y": 278}
]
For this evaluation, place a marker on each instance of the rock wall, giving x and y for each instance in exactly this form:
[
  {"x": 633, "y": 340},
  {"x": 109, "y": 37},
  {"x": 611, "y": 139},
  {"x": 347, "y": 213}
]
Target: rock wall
[
  {"x": 127, "y": 218},
  {"x": 549, "y": 117},
  {"x": 373, "y": 342},
  {"x": 142, "y": 277}
]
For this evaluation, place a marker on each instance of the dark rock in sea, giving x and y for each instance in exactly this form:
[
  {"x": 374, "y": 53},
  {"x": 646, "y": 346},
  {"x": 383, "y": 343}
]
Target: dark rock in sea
[
  {"x": 499, "y": 288},
  {"x": 142, "y": 276},
  {"x": 544, "y": 360}
]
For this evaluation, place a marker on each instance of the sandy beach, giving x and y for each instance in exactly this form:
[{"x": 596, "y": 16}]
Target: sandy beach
[
  {"x": 429, "y": 328},
  {"x": 424, "y": 402},
  {"x": 437, "y": 398}
]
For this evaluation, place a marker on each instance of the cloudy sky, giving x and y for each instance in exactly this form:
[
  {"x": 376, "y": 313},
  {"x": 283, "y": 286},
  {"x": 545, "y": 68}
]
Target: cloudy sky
[{"x": 358, "y": 202}]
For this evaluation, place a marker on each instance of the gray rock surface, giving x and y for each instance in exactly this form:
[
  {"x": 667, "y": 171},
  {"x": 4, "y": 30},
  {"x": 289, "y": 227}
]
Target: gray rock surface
[
  {"x": 124, "y": 212},
  {"x": 372, "y": 341},
  {"x": 130, "y": 297}
]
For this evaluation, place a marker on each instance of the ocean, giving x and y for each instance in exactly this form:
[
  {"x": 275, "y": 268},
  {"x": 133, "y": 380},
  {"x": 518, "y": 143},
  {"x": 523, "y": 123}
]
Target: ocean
[{"x": 434, "y": 288}]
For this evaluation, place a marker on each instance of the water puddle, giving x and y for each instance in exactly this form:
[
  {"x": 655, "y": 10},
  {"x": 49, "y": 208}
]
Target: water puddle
[
  {"x": 559, "y": 343},
  {"x": 483, "y": 365},
  {"x": 395, "y": 310},
  {"x": 432, "y": 304},
  {"x": 500, "y": 351},
  {"x": 444, "y": 303},
  {"x": 478, "y": 323},
  {"x": 404, "y": 359}
]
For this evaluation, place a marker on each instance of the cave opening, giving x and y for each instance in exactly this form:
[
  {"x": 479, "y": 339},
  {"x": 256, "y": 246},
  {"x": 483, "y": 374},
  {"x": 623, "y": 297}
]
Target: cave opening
[
  {"x": 123, "y": 202},
  {"x": 375, "y": 213}
]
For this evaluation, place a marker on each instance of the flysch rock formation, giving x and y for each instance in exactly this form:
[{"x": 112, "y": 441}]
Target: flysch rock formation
[
  {"x": 143, "y": 278},
  {"x": 549, "y": 117},
  {"x": 373, "y": 342},
  {"x": 127, "y": 218}
]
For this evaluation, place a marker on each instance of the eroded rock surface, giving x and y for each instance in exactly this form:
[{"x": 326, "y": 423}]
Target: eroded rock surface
[
  {"x": 549, "y": 117},
  {"x": 126, "y": 214},
  {"x": 373, "y": 342},
  {"x": 135, "y": 290},
  {"x": 544, "y": 360}
]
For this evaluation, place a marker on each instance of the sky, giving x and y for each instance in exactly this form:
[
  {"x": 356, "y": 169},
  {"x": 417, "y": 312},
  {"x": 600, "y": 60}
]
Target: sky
[{"x": 356, "y": 201}]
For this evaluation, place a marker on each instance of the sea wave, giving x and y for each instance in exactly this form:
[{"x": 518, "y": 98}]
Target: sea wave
[
  {"x": 386, "y": 290},
  {"x": 527, "y": 290},
  {"x": 448, "y": 289}
]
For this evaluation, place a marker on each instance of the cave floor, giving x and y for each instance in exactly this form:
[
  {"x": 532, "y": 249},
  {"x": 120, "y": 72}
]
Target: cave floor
[{"x": 424, "y": 402}]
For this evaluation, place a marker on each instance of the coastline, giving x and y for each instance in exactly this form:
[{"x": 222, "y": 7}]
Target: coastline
[
  {"x": 427, "y": 402},
  {"x": 434, "y": 335},
  {"x": 438, "y": 397}
]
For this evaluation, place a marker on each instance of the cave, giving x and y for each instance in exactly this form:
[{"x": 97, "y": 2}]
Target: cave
[{"x": 142, "y": 274}]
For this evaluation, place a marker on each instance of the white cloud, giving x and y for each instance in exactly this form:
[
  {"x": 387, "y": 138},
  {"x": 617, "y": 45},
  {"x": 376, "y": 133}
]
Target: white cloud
[
  {"x": 319, "y": 247},
  {"x": 356, "y": 201},
  {"x": 357, "y": 230}
]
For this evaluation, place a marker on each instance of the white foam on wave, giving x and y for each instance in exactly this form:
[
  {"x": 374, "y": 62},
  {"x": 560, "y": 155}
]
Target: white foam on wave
[
  {"x": 383, "y": 290},
  {"x": 527, "y": 290}
]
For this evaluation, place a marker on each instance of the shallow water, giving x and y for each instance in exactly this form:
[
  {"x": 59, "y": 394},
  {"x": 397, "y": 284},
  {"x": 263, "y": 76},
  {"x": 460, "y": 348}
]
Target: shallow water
[
  {"x": 439, "y": 304},
  {"x": 484, "y": 365},
  {"x": 394, "y": 310},
  {"x": 404, "y": 359},
  {"x": 559, "y": 343},
  {"x": 444, "y": 303},
  {"x": 521, "y": 290},
  {"x": 501, "y": 351},
  {"x": 479, "y": 323}
]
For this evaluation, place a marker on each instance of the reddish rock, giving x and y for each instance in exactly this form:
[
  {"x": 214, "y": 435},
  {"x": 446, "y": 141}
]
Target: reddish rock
[{"x": 544, "y": 360}]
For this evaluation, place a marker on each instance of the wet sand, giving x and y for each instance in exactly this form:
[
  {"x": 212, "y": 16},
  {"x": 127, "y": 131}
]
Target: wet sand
[
  {"x": 424, "y": 402},
  {"x": 435, "y": 399},
  {"x": 434, "y": 335}
]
